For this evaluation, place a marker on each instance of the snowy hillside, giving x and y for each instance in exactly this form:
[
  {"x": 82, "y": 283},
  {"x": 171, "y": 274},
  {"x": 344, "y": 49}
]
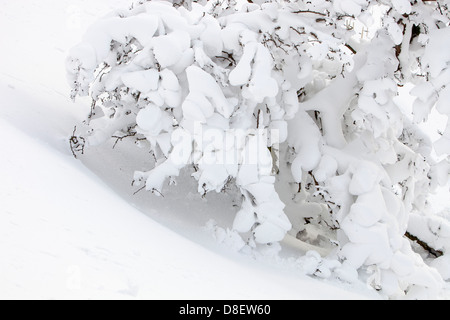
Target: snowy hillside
[
  {"x": 60, "y": 242},
  {"x": 78, "y": 229},
  {"x": 63, "y": 232}
]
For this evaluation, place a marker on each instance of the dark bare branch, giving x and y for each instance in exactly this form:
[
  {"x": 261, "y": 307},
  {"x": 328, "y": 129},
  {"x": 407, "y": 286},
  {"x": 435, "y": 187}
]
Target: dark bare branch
[
  {"x": 313, "y": 12},
  {"x": 434, "y": 252}
]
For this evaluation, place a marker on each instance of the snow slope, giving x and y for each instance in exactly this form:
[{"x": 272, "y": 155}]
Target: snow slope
[
  {"x": 72, "y": 229},
  {"x": 65, "y": 234}
]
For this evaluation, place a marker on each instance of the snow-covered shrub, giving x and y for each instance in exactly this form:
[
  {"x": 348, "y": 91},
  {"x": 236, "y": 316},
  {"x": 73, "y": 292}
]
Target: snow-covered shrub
[{"x": 293, "y": 104}]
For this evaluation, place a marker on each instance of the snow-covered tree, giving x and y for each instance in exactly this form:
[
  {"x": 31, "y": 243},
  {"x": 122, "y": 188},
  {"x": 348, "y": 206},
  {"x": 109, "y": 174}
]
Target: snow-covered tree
[{"x": 293, "y": 103}]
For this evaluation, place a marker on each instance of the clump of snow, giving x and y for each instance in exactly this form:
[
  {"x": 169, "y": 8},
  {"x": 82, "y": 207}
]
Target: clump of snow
[
  {"x": 305, "y": 138},
  {"x": 351, "y": 7},
  {"x": 436, "y": 55},
  {"x": 143, "y": 80},
  {"x": 442, "y": 264},
  {"x": 228, "y": 238},
  {"x": 365, "y": 177},
  {"x": 402, "y": 6},
  {"x": 152, "y": 120}
]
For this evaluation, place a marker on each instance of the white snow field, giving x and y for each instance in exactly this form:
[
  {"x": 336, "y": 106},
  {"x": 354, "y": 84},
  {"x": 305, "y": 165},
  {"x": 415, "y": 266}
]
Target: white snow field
[{"x": 76, "y": 229}]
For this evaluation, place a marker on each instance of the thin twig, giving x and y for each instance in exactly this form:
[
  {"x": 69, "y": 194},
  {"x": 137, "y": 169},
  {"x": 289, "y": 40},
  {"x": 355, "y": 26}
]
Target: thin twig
[
  {"x": 153, "y": 191},
  {"x": 436, "y": 253},
  {"x": 140, "y": 189},
  {"x": 118, "y": 138},
  {"x": 76, "y": 143},
  {"x": 350, "y": 48},
  {"x": 309, "y": 11},
  {"x": 300, "y": 33},
  {"x": 257, "y": 119}
]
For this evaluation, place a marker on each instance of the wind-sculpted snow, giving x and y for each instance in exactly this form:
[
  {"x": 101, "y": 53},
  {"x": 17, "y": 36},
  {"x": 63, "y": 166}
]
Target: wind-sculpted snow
[{"x": 292, "y": 105}]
